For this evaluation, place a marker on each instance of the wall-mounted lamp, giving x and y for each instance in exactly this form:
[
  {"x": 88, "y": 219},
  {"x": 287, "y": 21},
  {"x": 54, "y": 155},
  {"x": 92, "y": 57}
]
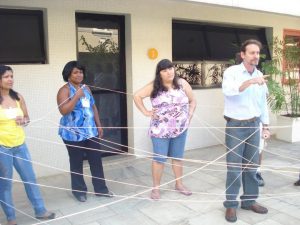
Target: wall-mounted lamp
[{"x": 152, "y": 53}]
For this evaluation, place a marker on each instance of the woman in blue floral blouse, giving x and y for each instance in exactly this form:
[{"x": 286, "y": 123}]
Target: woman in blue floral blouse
[{"x": 80, "y": 130}]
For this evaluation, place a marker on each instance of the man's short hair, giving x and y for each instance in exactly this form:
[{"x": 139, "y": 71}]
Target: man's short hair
[{"x": 249, "y": 42}]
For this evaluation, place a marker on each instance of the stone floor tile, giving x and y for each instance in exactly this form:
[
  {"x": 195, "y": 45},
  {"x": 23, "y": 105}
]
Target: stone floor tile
[
  {"x": 269, "y": 222},
  {"x": 132, "y": 218},
  {"x": 285, "y": 219},
  {"x": 213, "y": 217},
  {"x": 165, "y": 213},
  {"x": 251, "y": 217}
]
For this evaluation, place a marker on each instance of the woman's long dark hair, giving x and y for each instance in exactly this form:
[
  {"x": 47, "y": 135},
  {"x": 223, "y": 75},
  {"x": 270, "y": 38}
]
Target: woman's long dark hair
[
  {"x": 12, "y": 93},
  {"x": 158, "y": 85}
]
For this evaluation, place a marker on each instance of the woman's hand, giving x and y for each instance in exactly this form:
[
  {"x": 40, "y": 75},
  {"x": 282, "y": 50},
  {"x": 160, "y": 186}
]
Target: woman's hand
[
  {"x": 80, "y": 92},
  {"x": 100, "y": 132},
  {"x": 140, "y": 95},
  {"x": 21, "y": 121},
  {"x": 151, "y": 113}
]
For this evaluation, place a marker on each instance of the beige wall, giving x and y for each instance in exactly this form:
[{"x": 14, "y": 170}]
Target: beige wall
[{"x": 148, "y": 24}]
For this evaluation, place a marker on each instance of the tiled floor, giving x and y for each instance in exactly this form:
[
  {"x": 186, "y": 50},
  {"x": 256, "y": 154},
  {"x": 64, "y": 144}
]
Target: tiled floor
[{"x": 132, "y": 206}]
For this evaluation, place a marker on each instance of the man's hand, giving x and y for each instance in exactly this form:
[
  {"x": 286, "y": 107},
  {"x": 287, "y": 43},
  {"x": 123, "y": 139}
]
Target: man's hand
[
  {"x": 259, "y": 80},
  {"x": 266, "y": 133}
]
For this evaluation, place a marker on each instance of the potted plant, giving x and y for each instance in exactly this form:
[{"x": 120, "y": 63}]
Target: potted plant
[{"x": 284, "y": 87}]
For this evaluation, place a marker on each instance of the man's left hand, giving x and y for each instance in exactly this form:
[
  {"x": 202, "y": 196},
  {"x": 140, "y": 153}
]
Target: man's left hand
[{"x": 266, "y": 134}]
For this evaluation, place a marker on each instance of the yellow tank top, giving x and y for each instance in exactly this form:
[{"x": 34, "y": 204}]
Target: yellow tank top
[{"x": 11, "y": 135}]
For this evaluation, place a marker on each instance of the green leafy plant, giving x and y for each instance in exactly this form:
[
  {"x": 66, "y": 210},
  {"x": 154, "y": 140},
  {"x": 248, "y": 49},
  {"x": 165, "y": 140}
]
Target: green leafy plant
[
  {"x": 106, "y": 47},
  {"x": 283, "y": 83}
]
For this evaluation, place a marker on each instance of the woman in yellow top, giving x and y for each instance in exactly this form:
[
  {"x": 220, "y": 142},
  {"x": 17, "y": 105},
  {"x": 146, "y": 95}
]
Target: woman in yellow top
[{"x": 13, "y": 150}]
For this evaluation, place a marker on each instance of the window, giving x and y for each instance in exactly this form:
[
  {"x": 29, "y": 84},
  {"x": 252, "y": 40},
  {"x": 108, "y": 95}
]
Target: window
[
  {"x": 22, "y": 36},
  {"x": 221, "y": 42},
  {"x": 291, "y": 51},
  {"x": 202, "y": 51},
  {"x": 202, "y": 41},
  {"x": 188, "y": 44}
]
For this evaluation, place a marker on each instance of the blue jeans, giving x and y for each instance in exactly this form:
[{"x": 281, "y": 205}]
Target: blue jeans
[
  {"x": 168, "y": 147},
  {"x": 8, "y": 160},
  {"x": 240, "y": 157}
]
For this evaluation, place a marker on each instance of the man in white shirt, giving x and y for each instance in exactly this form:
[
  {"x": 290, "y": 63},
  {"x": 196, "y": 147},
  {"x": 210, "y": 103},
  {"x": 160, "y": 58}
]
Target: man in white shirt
[
  {"x": 261, "y": 182},
  {"x": 245, "y": 91}
]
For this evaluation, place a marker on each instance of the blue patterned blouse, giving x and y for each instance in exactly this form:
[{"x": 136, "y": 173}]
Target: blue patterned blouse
[{"x": 79, "y": 124}]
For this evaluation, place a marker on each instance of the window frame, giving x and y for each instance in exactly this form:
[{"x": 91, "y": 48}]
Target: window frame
[
  {"x": 41, "y": 32},
  {"x": 236, "y": 30}
]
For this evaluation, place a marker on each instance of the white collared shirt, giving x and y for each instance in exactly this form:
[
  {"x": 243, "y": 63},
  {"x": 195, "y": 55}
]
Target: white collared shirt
[{"x": 252, "y": 102}]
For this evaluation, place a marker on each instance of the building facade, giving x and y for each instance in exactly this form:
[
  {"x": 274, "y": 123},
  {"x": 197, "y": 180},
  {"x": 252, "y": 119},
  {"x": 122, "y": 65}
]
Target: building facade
[{"x": 143, "y": 25}]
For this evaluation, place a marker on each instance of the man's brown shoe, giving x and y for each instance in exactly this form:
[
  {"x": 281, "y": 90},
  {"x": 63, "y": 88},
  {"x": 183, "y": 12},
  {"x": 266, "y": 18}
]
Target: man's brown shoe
[
  {"x": 230, "y": 215},
  {"x": 256, "y": 208}
]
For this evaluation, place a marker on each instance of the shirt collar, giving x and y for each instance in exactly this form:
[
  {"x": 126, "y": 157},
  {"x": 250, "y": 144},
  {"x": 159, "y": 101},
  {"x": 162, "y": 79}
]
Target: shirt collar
[{"x": 243, "y": 68}]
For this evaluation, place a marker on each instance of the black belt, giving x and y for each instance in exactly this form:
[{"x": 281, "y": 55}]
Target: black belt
[{"x": 235, "y": 120}]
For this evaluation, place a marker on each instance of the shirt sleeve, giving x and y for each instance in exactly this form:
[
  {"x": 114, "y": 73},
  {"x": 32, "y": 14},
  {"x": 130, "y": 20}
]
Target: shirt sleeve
[
  {"x": 264, "y": 117},
  {"x": 230, "y": 84}
]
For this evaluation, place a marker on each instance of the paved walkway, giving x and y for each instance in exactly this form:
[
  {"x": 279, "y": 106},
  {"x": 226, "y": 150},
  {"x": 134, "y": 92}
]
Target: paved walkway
[{"x": 203, "y": 207}]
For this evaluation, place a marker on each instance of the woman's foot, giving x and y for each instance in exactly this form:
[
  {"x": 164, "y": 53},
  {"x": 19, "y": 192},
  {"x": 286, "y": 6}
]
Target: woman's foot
[
  {"x": 81, "y": 198},
  {"x": 155, "y": 194},
  {"x": 12, "y": 222},
  {"x": 109, "y": 194},
  {"x": 47, "y": 216},
  {"x": 183, "y": 190}
]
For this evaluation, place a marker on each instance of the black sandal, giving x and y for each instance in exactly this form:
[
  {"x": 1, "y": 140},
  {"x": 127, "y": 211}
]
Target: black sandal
[{"x": 297, "y": 183}]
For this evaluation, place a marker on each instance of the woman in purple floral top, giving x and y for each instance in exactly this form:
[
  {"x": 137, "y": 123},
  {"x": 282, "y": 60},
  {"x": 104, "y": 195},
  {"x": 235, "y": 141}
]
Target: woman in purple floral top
[{"x": 173, "y": 105}]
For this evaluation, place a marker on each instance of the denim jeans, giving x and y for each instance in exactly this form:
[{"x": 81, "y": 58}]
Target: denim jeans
[
  {"x": 168, "y": 147},
  {"x": 13, "y": 157},
  {"x": 239, "y": 156}
]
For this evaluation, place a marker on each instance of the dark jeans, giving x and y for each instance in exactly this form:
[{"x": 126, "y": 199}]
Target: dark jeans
[
  {"x": 239, "y": 157},
  {"x": 77, "y": 151}
]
